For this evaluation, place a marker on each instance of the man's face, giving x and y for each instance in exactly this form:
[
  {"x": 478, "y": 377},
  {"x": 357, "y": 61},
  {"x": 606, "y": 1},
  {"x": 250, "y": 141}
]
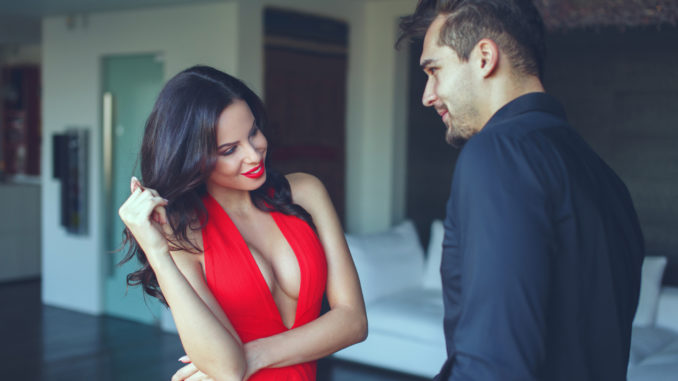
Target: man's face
[{"x": 449, "y": 88}]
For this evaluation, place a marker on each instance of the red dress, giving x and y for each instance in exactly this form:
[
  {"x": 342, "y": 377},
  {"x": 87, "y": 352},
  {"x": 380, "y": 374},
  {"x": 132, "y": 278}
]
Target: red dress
[{"x": 237, "y": 283}]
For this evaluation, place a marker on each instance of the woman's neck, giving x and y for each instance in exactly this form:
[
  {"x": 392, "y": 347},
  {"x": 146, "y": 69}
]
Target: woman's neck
[{"x": 234, "y": 202}]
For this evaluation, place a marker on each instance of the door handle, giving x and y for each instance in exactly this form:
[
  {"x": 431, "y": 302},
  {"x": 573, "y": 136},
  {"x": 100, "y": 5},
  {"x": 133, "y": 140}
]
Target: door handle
[{"x": 107, "y": 161}]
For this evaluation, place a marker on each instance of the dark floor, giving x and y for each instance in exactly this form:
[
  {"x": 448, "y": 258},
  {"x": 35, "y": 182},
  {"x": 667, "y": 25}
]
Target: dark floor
[{"x": 52, "y": 344}]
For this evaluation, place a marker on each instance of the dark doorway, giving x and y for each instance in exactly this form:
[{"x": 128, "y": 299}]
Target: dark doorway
[
  {"x": 430, "y": 161},
  {"x": 305, "y": 95},
  {"x": 21, "y": 123}
]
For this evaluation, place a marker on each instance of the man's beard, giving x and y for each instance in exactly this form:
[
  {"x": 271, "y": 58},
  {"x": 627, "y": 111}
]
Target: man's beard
[{"x": 457, "y": 136}]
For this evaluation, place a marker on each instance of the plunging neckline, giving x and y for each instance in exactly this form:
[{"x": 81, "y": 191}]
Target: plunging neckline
[{"x": 261, "y": 280}]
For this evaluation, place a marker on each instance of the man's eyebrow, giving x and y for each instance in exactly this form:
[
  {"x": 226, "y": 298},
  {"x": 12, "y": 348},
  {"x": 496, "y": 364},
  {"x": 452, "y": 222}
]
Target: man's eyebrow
[{"x": 426, "y": 63}]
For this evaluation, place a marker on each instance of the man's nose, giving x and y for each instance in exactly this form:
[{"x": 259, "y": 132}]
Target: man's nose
[{"x": 429, "y": 97}]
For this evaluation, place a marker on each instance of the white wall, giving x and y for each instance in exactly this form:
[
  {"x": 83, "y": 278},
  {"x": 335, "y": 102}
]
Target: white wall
[
  {"x": 72, "y": 265},
  {"x": 19, "y": 225}
]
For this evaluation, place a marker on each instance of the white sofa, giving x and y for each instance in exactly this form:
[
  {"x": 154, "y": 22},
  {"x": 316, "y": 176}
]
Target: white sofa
[
  {"x": 403, "y": 297},
  {"x": 654, "y": 339}
]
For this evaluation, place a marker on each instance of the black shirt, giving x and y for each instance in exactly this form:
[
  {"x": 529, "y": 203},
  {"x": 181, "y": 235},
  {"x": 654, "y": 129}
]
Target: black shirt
[{"x": 541, "y": 256}]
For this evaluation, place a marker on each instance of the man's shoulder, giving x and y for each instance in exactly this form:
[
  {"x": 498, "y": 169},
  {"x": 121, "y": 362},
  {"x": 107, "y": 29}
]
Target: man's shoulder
[
  {"x": 515, "y": 148},
  {"x": 527, "y": 126},
  {"x": 520, "y": 134}
]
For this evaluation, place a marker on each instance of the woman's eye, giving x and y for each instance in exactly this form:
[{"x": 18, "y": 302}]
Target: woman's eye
[{"x": 228, "y": 151}]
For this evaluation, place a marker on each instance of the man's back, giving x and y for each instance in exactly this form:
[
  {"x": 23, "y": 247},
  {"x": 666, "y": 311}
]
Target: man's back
[{"x": 542, "y": 253}]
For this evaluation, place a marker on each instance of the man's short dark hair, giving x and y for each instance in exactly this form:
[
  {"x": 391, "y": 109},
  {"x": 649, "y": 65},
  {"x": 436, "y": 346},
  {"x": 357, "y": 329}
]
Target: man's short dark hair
[{"x": 514, "y": 25}]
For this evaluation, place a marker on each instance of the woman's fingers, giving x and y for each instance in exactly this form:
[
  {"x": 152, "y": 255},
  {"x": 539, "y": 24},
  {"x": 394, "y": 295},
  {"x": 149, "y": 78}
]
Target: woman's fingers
[
  {"x": 135, "y": 183},
  {"x": 185, "y": 372},
  {"x": 189, "y": 372},
  {"x": 158, "y": 215},
  {"x": 144, "y": 215},
  {"x": 153, "y": 192},
  {"x": 144, "y": 202},
  {"x": 139, "y": 207},
  {"x": 199, "y": 376}
]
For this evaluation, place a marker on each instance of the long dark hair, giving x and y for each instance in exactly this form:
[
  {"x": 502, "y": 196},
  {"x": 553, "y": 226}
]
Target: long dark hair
[{"x": 178, "y": 154}]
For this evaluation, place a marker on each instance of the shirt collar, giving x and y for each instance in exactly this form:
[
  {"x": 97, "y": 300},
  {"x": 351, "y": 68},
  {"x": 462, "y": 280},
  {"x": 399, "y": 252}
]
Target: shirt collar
[{"x": 525, "y": 103}]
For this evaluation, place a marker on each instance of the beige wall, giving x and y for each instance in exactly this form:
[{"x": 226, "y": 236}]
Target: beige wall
[
  {"x": 376, "y": 102},
  {"x": 377, "y": 143}
]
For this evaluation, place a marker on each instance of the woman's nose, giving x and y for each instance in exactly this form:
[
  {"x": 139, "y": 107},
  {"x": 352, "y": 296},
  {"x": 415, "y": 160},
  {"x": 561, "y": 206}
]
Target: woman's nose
[
  {"x": 254, "y": 151},
  {"x": 252, "y": 154}
]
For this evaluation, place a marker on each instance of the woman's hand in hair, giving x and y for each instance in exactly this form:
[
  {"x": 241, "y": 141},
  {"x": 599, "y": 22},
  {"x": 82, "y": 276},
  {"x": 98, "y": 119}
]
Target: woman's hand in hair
[{"x": 144, "y": 215}]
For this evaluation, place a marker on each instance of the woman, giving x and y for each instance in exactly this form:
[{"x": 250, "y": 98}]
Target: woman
[{"x": 240, "y": 254}]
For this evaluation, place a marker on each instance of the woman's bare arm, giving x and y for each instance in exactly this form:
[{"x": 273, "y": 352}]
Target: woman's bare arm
[
  {"x": 207, "y": 336},
  {"x": 346, "y": 322}
]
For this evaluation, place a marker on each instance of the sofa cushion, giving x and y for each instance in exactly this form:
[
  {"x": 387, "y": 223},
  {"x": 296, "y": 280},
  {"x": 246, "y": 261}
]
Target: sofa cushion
[
  {"x": 650, "y": 285},
  {"x": 668, "y": 354},
  {"x": 405, "y": 333},
  {"x": 667, "y": 308},
  {"x": 648, "y": 341},
  {"x": 387, "y": 262},
  {"x": 653, "y": 372},
  {"x": 434, "y": 255},
  {"x": 659, "y": 366},
  {"x": 414, "y": 313}
]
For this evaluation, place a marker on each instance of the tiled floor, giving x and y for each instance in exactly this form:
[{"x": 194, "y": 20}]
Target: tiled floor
[{"x": 46, "y": 343}]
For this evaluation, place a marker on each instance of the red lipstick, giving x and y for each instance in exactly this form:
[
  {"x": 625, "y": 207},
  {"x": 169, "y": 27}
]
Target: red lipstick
[{"x": 256, "y": 172}]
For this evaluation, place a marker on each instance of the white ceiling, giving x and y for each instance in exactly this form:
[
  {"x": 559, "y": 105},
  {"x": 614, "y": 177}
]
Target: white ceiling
[
  {"x": 20, "y": 19},
  {"x": 37, "y": 8}
]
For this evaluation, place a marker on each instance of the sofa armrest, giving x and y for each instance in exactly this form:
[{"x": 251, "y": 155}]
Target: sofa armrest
[
  {"x": 667, "y": 308},
  {"x": 388, "y": 261}
]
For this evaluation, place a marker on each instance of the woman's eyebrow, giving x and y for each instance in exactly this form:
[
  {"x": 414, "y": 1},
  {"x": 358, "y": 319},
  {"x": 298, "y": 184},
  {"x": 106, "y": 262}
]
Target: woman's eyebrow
[{"x": 226, "y": 145}]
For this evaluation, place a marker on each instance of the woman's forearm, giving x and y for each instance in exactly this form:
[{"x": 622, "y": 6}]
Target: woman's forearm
[
  {"x": 338, "y": 328},
  {"x": 211, "y": 347}
]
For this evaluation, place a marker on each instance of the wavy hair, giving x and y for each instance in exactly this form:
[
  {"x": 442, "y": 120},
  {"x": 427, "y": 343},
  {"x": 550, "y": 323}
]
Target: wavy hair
[{"x": 179, "y": 152}]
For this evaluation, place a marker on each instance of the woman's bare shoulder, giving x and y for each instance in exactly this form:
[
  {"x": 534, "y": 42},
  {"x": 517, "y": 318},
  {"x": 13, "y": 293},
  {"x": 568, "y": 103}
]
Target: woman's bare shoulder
[{"x": 307, "y": 191}]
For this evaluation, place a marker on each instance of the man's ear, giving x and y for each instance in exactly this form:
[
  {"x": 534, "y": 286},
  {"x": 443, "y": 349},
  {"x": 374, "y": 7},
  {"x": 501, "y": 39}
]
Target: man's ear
[{"x": 487, "y": 56}]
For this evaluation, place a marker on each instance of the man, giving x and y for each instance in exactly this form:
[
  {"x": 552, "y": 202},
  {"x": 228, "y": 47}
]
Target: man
[{"x": 542, "y": 250}]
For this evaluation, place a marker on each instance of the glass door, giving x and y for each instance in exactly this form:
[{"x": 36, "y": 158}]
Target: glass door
[{"x": 131, "y": 84}]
